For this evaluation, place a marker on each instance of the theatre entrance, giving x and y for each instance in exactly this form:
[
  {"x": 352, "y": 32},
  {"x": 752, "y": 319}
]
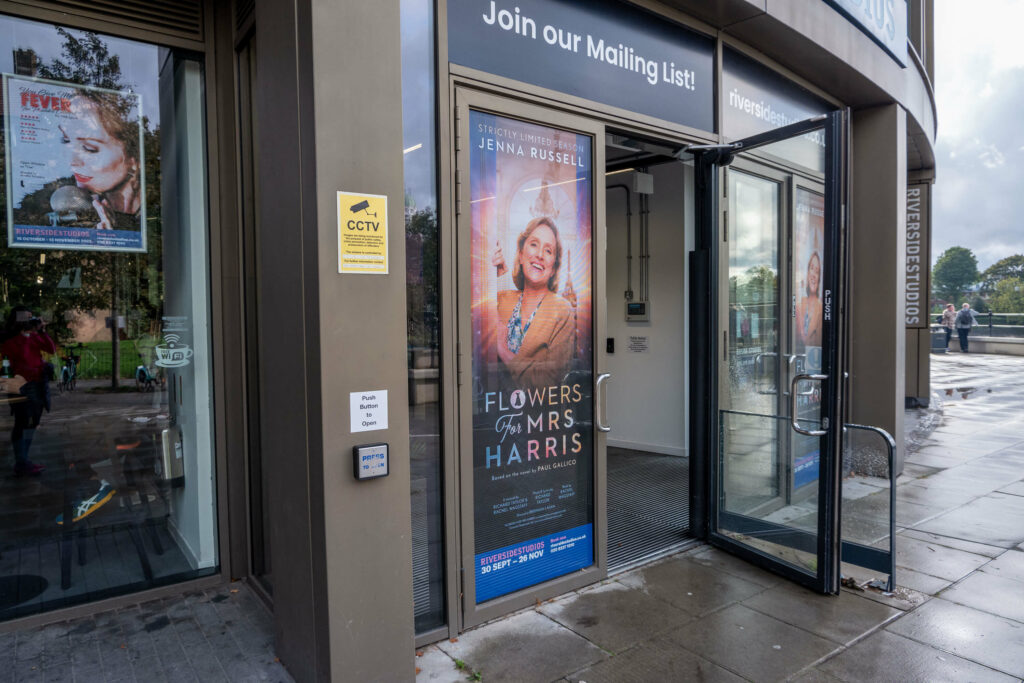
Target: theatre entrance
[{"x": 650, "y": 227}]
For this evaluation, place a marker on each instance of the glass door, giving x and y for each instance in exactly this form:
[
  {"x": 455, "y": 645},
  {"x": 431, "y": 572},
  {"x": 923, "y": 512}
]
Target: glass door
[
  {"x": 529, "y": 221},
  {"x": 774, "y": 474}
]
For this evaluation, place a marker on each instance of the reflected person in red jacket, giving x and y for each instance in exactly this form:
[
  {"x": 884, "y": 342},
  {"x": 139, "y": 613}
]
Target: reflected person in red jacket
[{"x": 24, "y": 347}]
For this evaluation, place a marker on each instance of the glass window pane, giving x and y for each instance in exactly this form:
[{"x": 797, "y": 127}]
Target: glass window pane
[
  {"x": 422, "y": 263},
  {"x": 104, "y": 291}
]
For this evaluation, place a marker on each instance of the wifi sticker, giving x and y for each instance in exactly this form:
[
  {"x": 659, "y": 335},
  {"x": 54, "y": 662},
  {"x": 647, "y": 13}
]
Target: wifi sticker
[{"x": 173, "y": 353}]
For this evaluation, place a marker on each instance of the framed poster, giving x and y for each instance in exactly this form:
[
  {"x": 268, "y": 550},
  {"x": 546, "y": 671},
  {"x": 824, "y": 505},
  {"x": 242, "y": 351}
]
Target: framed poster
[
  {"x": 531, "y": 190},
  {"x": 75, "y": 166}
]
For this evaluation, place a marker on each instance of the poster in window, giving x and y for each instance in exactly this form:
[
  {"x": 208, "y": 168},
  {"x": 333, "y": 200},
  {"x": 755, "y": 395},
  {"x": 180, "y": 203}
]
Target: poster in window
[
  {"x": 808, "y": 241},
  {"x": 74, "y": 166},
  {"x": 531, "y": 241}
]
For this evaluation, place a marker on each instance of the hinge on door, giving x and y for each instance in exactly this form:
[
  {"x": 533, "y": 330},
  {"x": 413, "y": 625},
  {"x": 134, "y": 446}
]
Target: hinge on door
[
  {"x": 457, "y": 128},
  {"x": 462, "y": 588},
  {"x": 725, "y": 225},
  {"x": 458, "y": 363},
  {"x": 725, "y": 345},
  {"x": 458, "y": 191}
]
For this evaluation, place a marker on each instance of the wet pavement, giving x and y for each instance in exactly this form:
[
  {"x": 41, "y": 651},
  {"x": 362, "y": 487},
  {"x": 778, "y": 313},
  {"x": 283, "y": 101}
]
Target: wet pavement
[
  {"x": 957, "y": 612},
  {"x": 222, "y": 634}
]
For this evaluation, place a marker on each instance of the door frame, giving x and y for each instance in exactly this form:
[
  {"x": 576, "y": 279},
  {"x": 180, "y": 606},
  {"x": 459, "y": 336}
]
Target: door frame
[
  {"x": 621, "y": 121},
  {"x": 711, "y": 161},
  {"x": 466, "y": 97}
]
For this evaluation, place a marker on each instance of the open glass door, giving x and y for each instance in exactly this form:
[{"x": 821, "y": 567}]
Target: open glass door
[
  {"x": 775, "y": 424},
  {"x": 529, "y": 223}
]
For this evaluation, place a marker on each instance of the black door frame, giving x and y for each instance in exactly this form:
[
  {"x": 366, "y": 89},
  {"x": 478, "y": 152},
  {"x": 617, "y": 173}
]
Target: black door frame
[{"x": 704, "y": 274}]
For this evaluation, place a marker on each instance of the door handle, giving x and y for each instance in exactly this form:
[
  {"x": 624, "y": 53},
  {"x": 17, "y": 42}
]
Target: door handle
[
  {"x": 600, "y": 423},
  {"x": 759, "y": 372},
  {"x": 794, "y": 420}
]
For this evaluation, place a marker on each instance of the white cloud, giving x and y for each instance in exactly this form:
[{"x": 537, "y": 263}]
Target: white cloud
[{"x": 979, "y": 191}]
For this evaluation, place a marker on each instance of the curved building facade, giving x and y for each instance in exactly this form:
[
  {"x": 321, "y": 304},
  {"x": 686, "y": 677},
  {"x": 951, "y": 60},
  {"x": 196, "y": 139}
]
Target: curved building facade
[{"x": 412, "y": 314}]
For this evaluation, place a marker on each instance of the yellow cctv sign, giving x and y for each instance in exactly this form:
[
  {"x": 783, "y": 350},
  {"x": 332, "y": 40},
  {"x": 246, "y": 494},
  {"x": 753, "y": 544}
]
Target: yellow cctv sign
[{"x": 362, "y": 233}]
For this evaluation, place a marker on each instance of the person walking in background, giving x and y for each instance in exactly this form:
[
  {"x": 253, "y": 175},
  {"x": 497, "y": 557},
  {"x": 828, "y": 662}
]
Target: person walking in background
[
  {"x": 964, "y": 323},
  {"x": 24, "y": 349},
  {"x": 949, "y": 322}
]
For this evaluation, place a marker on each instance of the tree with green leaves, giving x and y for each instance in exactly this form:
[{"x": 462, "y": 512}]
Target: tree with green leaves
[
  {"x": 128, "y": 284},
  {"x": 1003, "y": 269},
  {"x": 1008, "y": 296},
  {"x": 422, "y": 293},
  {"x": 954, "y": 273}
]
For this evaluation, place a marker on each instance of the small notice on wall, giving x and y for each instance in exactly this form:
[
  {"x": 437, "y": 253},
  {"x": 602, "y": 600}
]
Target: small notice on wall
[
  {"x": 362, "y": 233},
  {"x": 369, "y": 410},
  {"x": 638, "y": 344}
]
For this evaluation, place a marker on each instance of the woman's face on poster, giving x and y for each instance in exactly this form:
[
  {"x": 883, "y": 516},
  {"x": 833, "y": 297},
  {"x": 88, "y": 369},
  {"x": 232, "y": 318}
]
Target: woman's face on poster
[
  {"x": 98, "y": 160},
  {"x": 538, "y": 256},
  {"x": 813, "y": 274}
]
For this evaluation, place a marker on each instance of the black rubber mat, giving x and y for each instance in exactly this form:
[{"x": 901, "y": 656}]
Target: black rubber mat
[{"x": 648, "y": 504}]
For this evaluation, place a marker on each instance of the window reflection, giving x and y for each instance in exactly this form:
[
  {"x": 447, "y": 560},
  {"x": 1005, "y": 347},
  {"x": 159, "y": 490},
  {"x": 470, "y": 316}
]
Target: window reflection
[
  {"x": 106, "y": 484},
  {"x": 422, "y": 276}
]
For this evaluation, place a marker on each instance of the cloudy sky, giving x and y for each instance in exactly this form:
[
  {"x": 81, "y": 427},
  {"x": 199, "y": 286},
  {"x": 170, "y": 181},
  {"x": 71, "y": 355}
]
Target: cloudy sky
[{"x": 979, "y": 189}]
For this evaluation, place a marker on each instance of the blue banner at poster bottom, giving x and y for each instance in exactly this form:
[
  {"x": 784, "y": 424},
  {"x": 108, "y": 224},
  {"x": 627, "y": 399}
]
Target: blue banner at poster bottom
[
  {"x": 531, "y": 562},
  {"x": 76, "y": 238},
  {"x": 805, "y": 470}
]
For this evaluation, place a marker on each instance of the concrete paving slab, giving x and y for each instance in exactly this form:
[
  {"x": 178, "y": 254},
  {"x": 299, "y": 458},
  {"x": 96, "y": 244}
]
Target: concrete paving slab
[
  {"x": 996, "y": 519},
  {"x": 1016, "y": 489},
  {"x": 690, "y": 586},
  {"x": 912, "y": 514},
  {"x": 887, "y": 656},
  {"x": 989, "y": 593},
  {"x": 659, "y": 660},
  {"x": 841, "y": 619},
  {"x": 614, "y": 616},
  {"x": 936, "y": 560},
  {"x": 985, "y": 638},
  {"x": 432, "y": 664},
  {"x": 924, "y": 493},
  {"x": 719, "y": 560},
  {"x": 751, "y": 644},
  {"x": 1009, "y": 565},
  {"x": 525, "y": 646},
  {"x": 913, "y": 470},
  {"x": 940, "y": 458},
  {"x": 924, "y": 583},
  {"x": 813, "y": 676},
  {"x": 989, "y": 470},
  {"x": 902, "y": 597},
  {"x": 950, "y": 542}
]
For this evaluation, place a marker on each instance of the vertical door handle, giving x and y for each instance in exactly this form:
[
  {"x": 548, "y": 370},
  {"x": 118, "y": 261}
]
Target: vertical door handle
[
  {"x": 600, "y": 423},
  {"x": 792, "y": 405}
]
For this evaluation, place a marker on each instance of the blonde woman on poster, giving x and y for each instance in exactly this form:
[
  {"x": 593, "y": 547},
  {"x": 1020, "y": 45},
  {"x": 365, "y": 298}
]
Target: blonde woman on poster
[
  {"x": 808, "y": 308},
  {"x": 534, "y": 330},
  {"x": 103, "y": 147}
]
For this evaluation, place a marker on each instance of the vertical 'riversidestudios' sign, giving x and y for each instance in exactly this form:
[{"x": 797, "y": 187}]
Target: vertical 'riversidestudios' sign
[
  {"x": 918, "y": 283},
  {"x": 601, "y": 50}
]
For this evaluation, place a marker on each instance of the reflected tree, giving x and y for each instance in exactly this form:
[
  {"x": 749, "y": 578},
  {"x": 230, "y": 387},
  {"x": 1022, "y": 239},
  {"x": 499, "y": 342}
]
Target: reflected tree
[{"x": 66, "y": 284}]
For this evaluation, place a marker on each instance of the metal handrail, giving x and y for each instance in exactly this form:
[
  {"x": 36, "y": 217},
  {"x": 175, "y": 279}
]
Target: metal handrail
[{"x": 891, "y": 448}]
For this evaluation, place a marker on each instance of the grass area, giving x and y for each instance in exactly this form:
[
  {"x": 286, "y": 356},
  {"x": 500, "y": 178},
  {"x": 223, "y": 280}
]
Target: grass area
[{"x": 95, "y": 361}]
